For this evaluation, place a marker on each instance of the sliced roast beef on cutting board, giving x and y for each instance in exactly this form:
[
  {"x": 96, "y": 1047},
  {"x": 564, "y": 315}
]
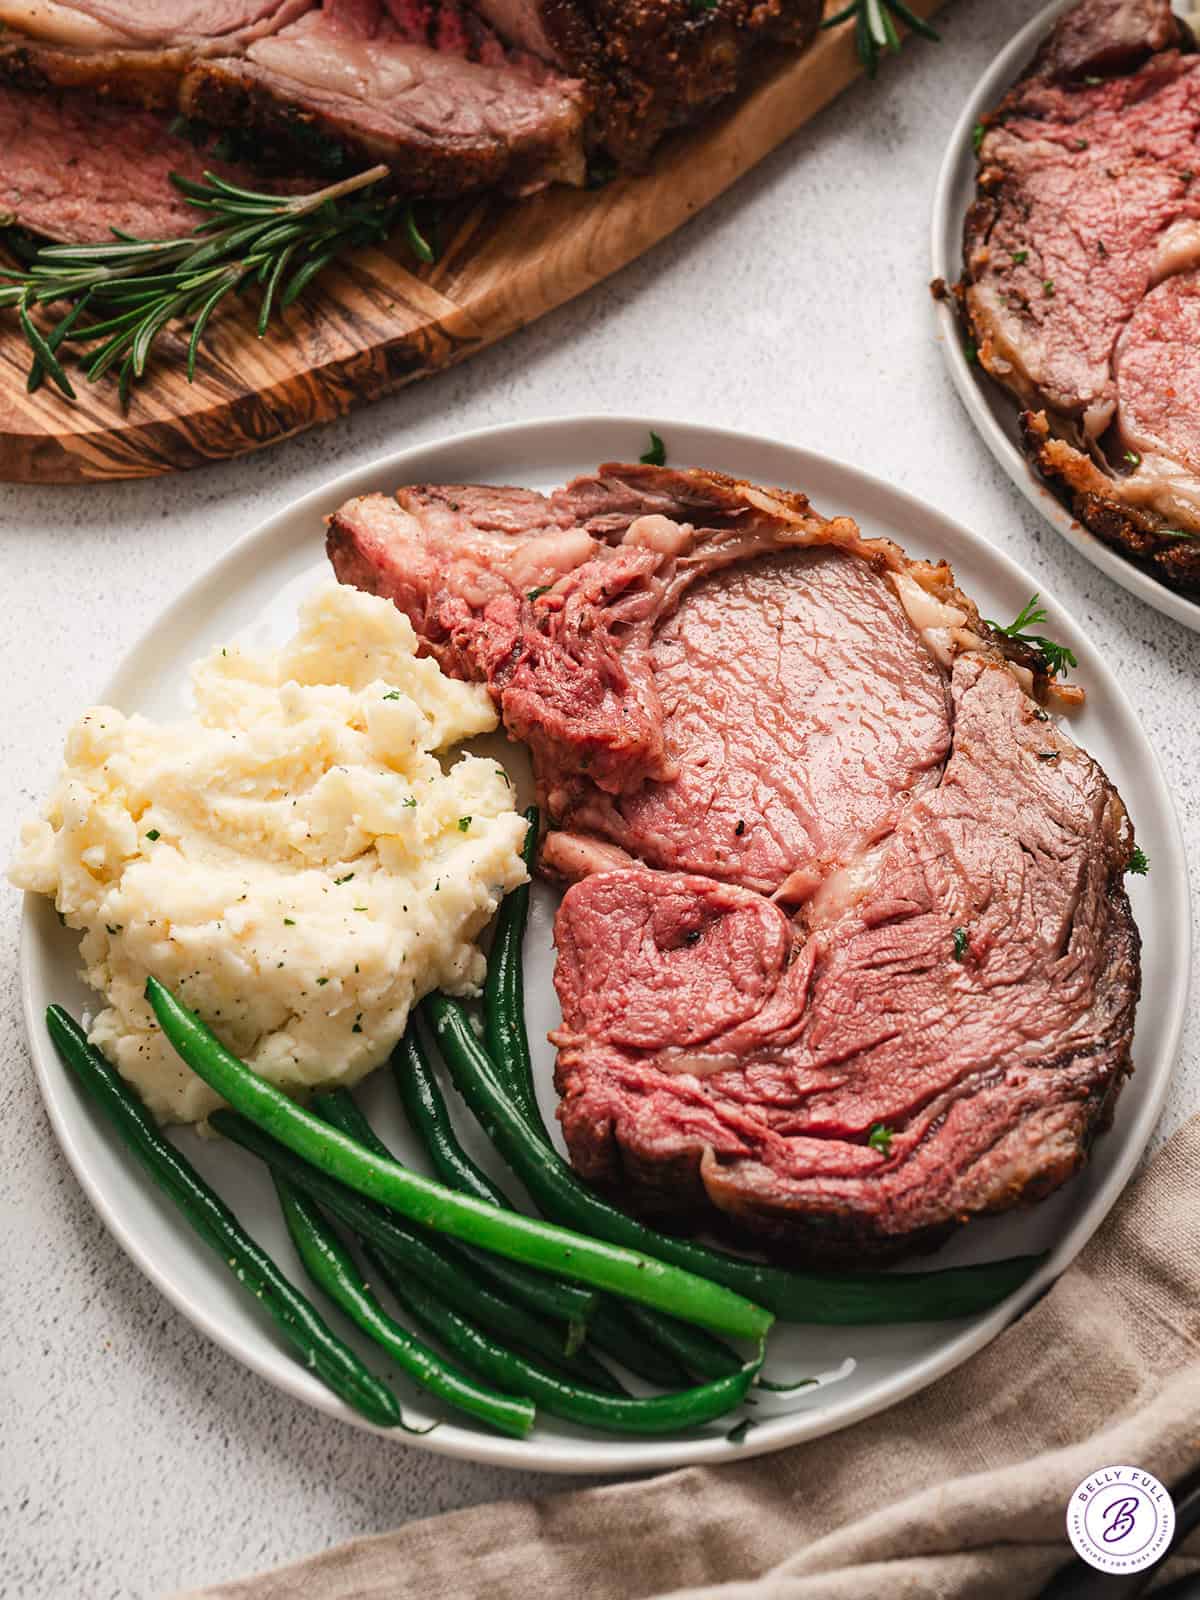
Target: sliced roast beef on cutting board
[
  {"x": 445, "y": 123},
  {"x": 970, "y": 990},
  {"x": 75, "y": 167},
  {"x": 841, "y": 874},
  {"x": 125, "y": 49},
  {"x": 1081, "y": 253},
  {"x": 454, "y": 95}
]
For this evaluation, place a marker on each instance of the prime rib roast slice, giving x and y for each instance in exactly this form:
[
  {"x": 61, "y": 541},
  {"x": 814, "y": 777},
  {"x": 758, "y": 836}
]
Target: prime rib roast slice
[
  {"x": 799, "y": 715},
  {"x": 1099, "y": 37},
  {"x": 1082, "y": 261},
  {"x": 76, "y": 167},
  {"x": 837, "y": 867},
  {"x": 446, "y": 124},
  {"x": 453, "y": 96},
  {"x": 135, "y": 51},
  {"x": 594, "y": 615},
  {"x": 715, "y": 1059}
]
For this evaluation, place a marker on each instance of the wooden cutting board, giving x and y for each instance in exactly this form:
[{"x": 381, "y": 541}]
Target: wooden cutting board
[{"x": 376, "y": 322}]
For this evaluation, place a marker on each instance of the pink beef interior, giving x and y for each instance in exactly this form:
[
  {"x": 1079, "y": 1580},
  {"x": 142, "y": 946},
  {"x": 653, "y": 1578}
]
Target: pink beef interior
[
  {"x": 800, "y": 713},
  {"x": 713, "y": 1054},
  {"x": 1157, "y": 369},
  {"x": 74, "y": 168},
  {"x": 728, "y": 707}
]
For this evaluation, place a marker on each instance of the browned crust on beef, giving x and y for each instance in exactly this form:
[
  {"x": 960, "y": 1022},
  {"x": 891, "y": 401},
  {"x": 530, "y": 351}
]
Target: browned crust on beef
[
  {"x": 668, "y": 61},
  {"x": 146, "y": 78},
  {"x": 1089, "y": 495},
  {"x": 240, "y": 94}
]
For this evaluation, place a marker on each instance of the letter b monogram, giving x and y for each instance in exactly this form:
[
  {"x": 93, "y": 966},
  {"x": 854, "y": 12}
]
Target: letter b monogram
[{"x": 1119, "y": 1519}]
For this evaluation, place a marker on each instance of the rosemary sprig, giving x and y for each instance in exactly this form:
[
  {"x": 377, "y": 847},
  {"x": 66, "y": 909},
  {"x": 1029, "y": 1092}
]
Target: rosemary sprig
[
  {"x": 875, "y": 28},
  {"x": 1058, "y": 657},
  {"x": 131, "y": 289}
]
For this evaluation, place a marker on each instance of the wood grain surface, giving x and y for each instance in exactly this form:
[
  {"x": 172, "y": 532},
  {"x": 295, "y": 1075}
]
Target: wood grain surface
[{"x": 377, "y": 321}]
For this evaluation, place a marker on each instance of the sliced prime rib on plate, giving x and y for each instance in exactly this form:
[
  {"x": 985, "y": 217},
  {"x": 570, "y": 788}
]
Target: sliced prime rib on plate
[
  {"x": 968, "y": 987},
  {"x": 1082, "y": 264},
  {"x": 849, "y": 958},
  {"x": 799, "y": 717},
  {"x": 601, "y": 619}
]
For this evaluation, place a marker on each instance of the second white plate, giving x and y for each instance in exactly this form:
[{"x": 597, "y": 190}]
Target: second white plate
[
  {"x": 991, "y": 408},
  {"x": 251, "y": 594}
]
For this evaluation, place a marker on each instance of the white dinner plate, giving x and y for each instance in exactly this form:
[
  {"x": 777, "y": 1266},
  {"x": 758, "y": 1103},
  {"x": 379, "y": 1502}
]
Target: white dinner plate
[
  {"x": 990, "y": 407},
  {"x": 251, "y": 595}
]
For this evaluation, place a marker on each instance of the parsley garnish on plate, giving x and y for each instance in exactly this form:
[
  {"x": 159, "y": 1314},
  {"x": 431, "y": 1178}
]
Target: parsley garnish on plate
[
  {"x": 656, "y": 456},
  {"x": 1139, "y": 862},
  {"x": 1058, "y": 657},
  {"x": 880, "y": 1138}
]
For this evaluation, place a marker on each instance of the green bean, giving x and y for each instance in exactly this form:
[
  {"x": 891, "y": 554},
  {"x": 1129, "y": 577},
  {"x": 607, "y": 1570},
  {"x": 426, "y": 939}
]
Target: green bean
[
  {"x": 340, "y": 1109},
  {"x": 555, "y": 1250},
  {"x": 793, "y": 1296},
  {"x": 427, "y": 1258},
  {"x": 612, "y": 1331},
  {"x": 565, "y": 1302},
  {"x": 201, "y": 1207},
  {"x": 332, "y": 1268},
  {"x": 668, "y": 1413},
  {"x": 504, "y": 1032},
  {"x": 695, "y": 1351},
  {"x": 426, "y": 1109},
  {"x": 567, "y": 1354}
]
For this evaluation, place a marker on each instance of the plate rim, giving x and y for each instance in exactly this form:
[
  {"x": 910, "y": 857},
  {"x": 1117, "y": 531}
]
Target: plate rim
[
  {"x": 969, "y": 382},
  {"x": 569, "y": 1454}
]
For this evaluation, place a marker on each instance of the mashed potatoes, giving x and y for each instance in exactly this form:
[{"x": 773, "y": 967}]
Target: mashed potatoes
[{"x": 294, "y": 862}]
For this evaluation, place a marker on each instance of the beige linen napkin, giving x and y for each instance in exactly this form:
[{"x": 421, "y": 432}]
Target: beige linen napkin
[{"x": 958, "y": 1492}]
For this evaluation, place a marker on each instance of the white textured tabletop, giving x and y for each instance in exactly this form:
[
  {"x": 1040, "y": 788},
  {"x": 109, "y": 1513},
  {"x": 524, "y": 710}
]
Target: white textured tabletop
[{"x": 136, "y": 1457}]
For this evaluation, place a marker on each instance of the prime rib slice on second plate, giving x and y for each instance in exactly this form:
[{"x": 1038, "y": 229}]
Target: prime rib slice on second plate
[{"x": 1081, "y": 257}]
